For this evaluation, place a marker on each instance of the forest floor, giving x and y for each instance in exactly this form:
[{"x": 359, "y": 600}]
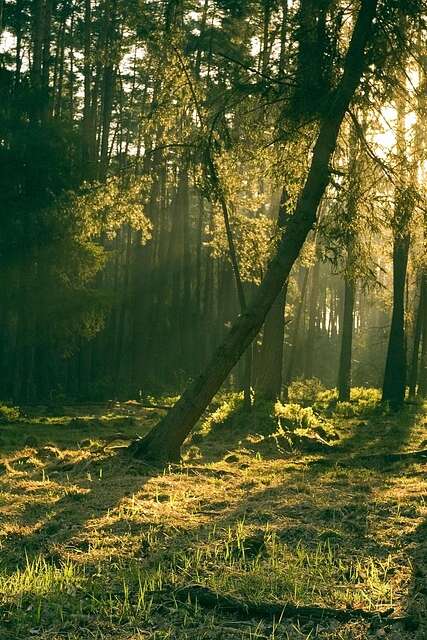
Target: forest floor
[{"x": 94, "y": 545}]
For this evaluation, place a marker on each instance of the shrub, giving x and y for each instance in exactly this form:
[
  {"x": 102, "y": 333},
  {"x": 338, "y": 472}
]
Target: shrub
[
  {"x": 305, "y": 391},
  {"x": 292, "y": 416},
  {"x": 9, "y": 414},
  {"x": 363, "y": 402},
  {"x": 345, "y": 410},
  {"x": 292, "y": 421},
  {"x": 326, "y": 399},
  {"x": 302, "y": 421},
  {"x": 367, "y": 395},
  {"x": 227, "y": 411}
]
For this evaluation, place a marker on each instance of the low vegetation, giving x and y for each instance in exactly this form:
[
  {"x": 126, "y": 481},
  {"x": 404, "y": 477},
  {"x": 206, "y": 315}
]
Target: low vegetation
[{"x": 97, "y": 545}]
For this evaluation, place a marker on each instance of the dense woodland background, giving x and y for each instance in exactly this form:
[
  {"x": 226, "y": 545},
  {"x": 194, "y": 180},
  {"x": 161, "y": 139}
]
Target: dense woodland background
[{"x": 128, "y": 130}]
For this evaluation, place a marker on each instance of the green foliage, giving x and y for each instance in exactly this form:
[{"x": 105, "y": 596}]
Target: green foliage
[
  {"x": 9, "y": 414},
  {"x": 225, "y": 414},
  {"x": 293, "y": 416},
  {"x": 291, "y": 423},
  {"x": 303, "y": 426},
  {"x": 305, "y": 391},
  {"x": 364, "y": 402},
  {"x": 103, "y": 208}
]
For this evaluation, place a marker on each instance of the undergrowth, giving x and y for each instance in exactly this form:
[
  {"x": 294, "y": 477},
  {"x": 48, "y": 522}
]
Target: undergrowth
[{"x": 8, "y": 413}]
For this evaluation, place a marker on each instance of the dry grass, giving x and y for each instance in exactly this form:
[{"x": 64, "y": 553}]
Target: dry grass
[{"x": 93, "y": 545}]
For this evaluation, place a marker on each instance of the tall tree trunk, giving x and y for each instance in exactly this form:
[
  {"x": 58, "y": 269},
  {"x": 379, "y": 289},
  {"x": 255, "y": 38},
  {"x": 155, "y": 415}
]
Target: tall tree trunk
[
  {"x": 413, "y": 372},
  {"x": 87, "y": 86},
  {"x": 108, "y": 82},
  {"x": 37, "y": 40},
  {"x": 283, "y": 37},
  {"x": 163, "y": 442},
  {"x": 47, "y": 26},
  {"x": 187, "y": 289},
  {"x": 312, "y": 319},
  {"x": 394, "y": 384},
  {"x": 395, "y": 369},
  {"x": 265, "y": 52},
  {"x": 344, "y": 371},
  {"x": 295, "y": 334},
  {"x": 422, "y": 384},
  {"x": 270, "y": 370},
  {"x": 71, "y": 68},
  {"x": 311, "y": 87},
  {"x": 198, "y": 60},
  {"x": 18, "y": 51},
  {"x": 347, "y": 324},
  {"x": 208, "y": 299},
  {"x": 58, "y": 75},
  {"x": 120, "y": 334}
]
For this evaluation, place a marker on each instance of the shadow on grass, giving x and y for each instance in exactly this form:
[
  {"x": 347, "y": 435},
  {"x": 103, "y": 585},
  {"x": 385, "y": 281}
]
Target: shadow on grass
[
  {"x": 385, "y": 433},
  {"x": 76, "y": 424},
  {"x": 416, "y": 543},
  {"x": 252, "y": 433},
  {"x": 56, "y": 492},
  {"x": 309, "y": 505}
]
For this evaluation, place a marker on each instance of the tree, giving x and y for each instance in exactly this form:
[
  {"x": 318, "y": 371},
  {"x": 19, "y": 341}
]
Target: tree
[
  {"x": 270, "y": 370},
  {"x": 344, "y": 370},
  {"x": 394, "y": 384},
  {"x": 164, "y": 441}
]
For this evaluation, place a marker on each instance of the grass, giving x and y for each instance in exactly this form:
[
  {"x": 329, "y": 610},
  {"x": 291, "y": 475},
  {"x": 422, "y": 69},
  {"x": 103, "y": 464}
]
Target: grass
[{"x": 95, "y": 546}]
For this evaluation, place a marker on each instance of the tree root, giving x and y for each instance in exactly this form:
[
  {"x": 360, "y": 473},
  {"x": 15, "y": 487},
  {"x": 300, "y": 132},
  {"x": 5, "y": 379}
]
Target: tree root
[{"x": 205, "y": 597}]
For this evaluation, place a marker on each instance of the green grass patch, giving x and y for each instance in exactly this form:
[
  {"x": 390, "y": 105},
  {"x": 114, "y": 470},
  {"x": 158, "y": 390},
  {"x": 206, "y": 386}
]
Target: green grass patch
[{"x": 94, "y": 545}]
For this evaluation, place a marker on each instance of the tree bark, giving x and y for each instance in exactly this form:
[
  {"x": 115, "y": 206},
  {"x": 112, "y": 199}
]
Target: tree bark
[
  {"x": 163, "y": 442},
  {"x": 394, "y": 384},
  {"x": 413, "y": 374},
  {"x": 269, "y": 383},
  {"x": 295, "y": 333},
  {"x": 312, "y": 318},
  {"x": 344, "y": 372},
  {"x": 283, "y": 37},
  {"x": 422, "y": 378},
  {"x": 395, "y": 369},
  {"x": 270, "y": 376}
]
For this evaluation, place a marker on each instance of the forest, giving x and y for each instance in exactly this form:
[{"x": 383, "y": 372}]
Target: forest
[{"x": 213, "y": 319}]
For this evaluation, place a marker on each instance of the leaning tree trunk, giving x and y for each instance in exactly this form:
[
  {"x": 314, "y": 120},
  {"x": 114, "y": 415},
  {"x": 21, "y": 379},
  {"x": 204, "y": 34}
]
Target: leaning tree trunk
[{"x": 163, "y": 443}]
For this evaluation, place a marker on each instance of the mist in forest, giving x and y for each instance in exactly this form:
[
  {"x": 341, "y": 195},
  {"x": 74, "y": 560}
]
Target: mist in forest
[{"x": 145, "y": 153}]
